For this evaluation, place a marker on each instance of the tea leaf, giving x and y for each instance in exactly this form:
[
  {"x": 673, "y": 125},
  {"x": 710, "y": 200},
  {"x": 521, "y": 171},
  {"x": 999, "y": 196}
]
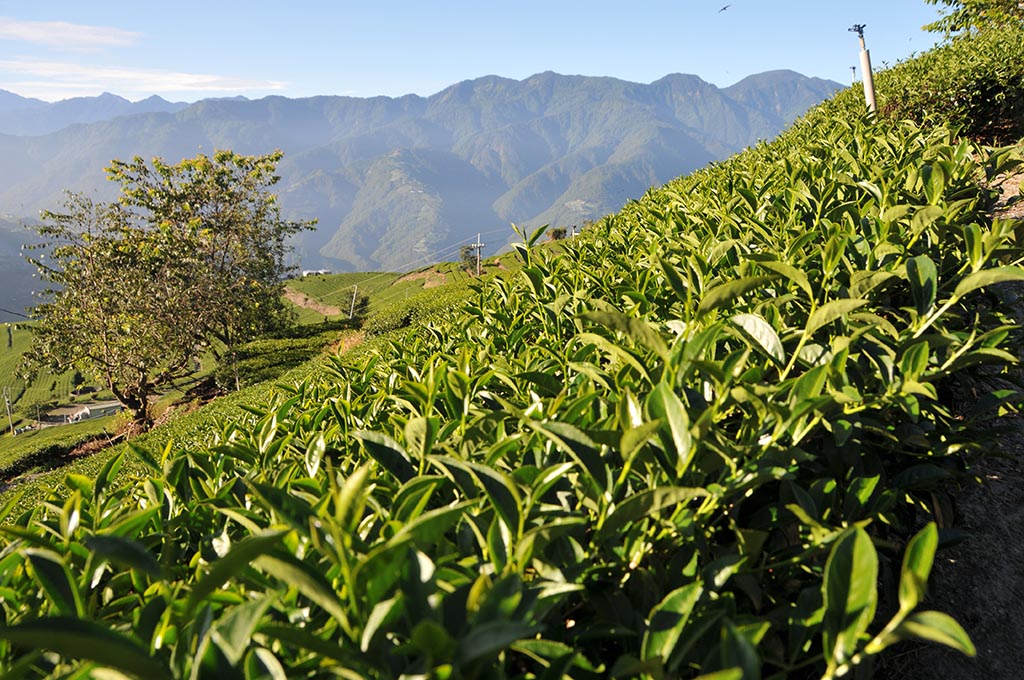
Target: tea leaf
[
  {"x": 664, "y": 405},
  {"x": 490, "y": 638},
  {"x": 646, "y": 503},
  {"x": 761, "y": 335},
  {"x": 56, "y": 580},
  {"x": 667, "y": 620},
  {"x": 382, "y": 614},
  {"x": 240, "y": 556},
  {"x": 307, "y": 581},
  {"x": 987, "y": 277},
  {"x": 937, "y": 627},
  {"x": 388, "y": 453},
  {"x": 233, "y": 631},
  {"x": 917, "y": 564},
  {"x": 850, "y": 596},
  {"x": 304, "y": 639},
  {"x": 679, "y": 286},
  {"x": 636, "y": 329},
  {"x": 84, "y": 639},
  {"x": 923, "y": 278},
  {"x": 314, "y": 454},
  {"x": 790, "y": 272},
  {"x": 829, "y": 312},
  {"x": 723, "y": 294},
  {"x": 124, "y": 551}
]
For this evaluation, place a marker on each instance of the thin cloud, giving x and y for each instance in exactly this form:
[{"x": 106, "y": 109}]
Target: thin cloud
[
  {"x": 66, "y": 35},
  {"x": 51, "y": 79}
]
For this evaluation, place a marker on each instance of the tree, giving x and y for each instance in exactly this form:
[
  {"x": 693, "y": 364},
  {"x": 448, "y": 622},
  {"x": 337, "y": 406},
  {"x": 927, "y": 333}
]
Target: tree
[
  {"x": 964, "y": 15},
  {"x": 467, "y": 258},
  {"x": 191, "y": 257}
]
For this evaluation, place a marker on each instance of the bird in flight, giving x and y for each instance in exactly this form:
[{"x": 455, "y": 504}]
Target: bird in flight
[{"x": 724, "y": 8}]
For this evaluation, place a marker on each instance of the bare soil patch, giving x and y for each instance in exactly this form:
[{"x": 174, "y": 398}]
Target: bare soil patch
[
  {"x": 346, "y": 342},
  {"x": 980, "y": 582},
  {"x": 303, "y": 300},
  {"x": 431, "y": 278}
]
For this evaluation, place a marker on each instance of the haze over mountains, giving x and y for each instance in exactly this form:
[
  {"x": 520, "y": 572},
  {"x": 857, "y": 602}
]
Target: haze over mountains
[{"x": 399, "y": 182}]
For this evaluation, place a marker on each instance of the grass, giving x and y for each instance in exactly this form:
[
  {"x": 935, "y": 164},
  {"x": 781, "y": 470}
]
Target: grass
[
  {"x": 47, "y": 387},
  {"x": 13, "y": 449},
  {"x": 335, "y": 289}
]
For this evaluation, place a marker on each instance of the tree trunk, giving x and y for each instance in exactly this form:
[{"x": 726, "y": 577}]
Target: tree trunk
[{"x": 136, "y": 401}]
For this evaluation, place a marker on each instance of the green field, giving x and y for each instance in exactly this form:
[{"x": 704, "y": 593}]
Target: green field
[
  {"x": 384, "y": 288},
  {"x": 62, "y": 438},
  {"x": 46, "y": 387}
]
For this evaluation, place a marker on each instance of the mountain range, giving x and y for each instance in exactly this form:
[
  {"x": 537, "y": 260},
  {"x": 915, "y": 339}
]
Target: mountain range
[{"x": 399, "y": 182}]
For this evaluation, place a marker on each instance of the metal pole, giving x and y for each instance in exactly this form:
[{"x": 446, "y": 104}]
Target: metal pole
[
  {"x": 869, "y": 82},
  {"x": 479, "y": 247},
  {"x": 853, "y": 75},
  {"x": 352, "y": 309},
  {"x": 865, "y": 68},
  {"x": 10, "y": 419}
]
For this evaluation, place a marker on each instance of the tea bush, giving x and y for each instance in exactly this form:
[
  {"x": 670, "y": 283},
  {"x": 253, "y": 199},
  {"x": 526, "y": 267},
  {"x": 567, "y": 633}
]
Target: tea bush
[
  {"x": 974, "y": 82},
  {"x": 424, "y": 306},
  {"x": 685, "y": 445}
]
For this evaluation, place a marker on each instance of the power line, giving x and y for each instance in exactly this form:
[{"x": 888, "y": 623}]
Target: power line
[
  {"x": 26, "y": 316},
  {"x": 478, "y": 246},
  {"x": 436, "y": 255}
]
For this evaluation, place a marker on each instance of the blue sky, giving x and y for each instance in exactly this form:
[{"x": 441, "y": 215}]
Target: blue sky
[{"x": 186, "y": 50}]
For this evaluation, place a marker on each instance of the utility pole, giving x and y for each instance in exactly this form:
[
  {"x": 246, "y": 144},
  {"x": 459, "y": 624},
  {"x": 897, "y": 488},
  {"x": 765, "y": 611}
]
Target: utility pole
[
  {"x": 478, "y": 246},
  {"x": 352, "y": 308},
  {"x": 853, "y": 75},
  {"x": 7, "y": 399},
  {"x": 865, "y": 67}
]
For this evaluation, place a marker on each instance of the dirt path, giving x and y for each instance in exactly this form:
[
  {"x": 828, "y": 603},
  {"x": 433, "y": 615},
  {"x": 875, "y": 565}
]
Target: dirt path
[
  {"x": 303, "y": 300},
  {"x": 431, "y": 278},
  {"x": 980, "y": 582}
]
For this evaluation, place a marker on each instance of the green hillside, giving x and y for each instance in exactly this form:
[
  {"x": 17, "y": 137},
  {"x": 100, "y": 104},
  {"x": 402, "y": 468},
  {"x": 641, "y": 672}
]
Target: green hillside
[
  {"x": 699, "y": 441},
  {"x": 46, "y": 388},
  {"x": 16, "y": 278}
]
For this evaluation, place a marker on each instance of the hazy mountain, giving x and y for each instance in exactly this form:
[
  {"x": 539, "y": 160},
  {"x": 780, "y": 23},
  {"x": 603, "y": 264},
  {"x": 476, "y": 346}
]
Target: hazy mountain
[
  {"x": 16, "y": 280},
  {"x": 22, "y": 116},
  {"x": 780, "y": 92},
  {"x": 9, "y": 100},
  {"x": 394, "y": 181}
]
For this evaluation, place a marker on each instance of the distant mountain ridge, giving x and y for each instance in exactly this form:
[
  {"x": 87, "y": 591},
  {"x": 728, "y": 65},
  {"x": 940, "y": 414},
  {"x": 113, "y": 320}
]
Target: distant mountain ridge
[
  {"x": 24, "y": 116},
  {"x": 394, "y": 181}
]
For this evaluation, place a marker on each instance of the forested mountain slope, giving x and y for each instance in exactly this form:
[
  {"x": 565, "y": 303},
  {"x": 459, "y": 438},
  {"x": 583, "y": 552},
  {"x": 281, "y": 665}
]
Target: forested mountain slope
[{"x": 395, "y": 180}]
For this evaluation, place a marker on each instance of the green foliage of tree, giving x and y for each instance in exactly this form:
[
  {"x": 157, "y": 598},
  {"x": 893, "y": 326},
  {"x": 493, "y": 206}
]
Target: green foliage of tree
[
  {"x": 191, "y": 257},
  {"x": 467, "y": 257},
  {"x": 965, "y": 15}
]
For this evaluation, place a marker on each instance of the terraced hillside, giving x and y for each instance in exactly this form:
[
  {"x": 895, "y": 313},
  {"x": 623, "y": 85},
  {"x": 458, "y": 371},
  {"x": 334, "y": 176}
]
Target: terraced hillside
[{"x": 700, "y": 441}]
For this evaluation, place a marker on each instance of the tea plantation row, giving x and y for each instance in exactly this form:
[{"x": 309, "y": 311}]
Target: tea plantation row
[{"x": 692, "y": 444}]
